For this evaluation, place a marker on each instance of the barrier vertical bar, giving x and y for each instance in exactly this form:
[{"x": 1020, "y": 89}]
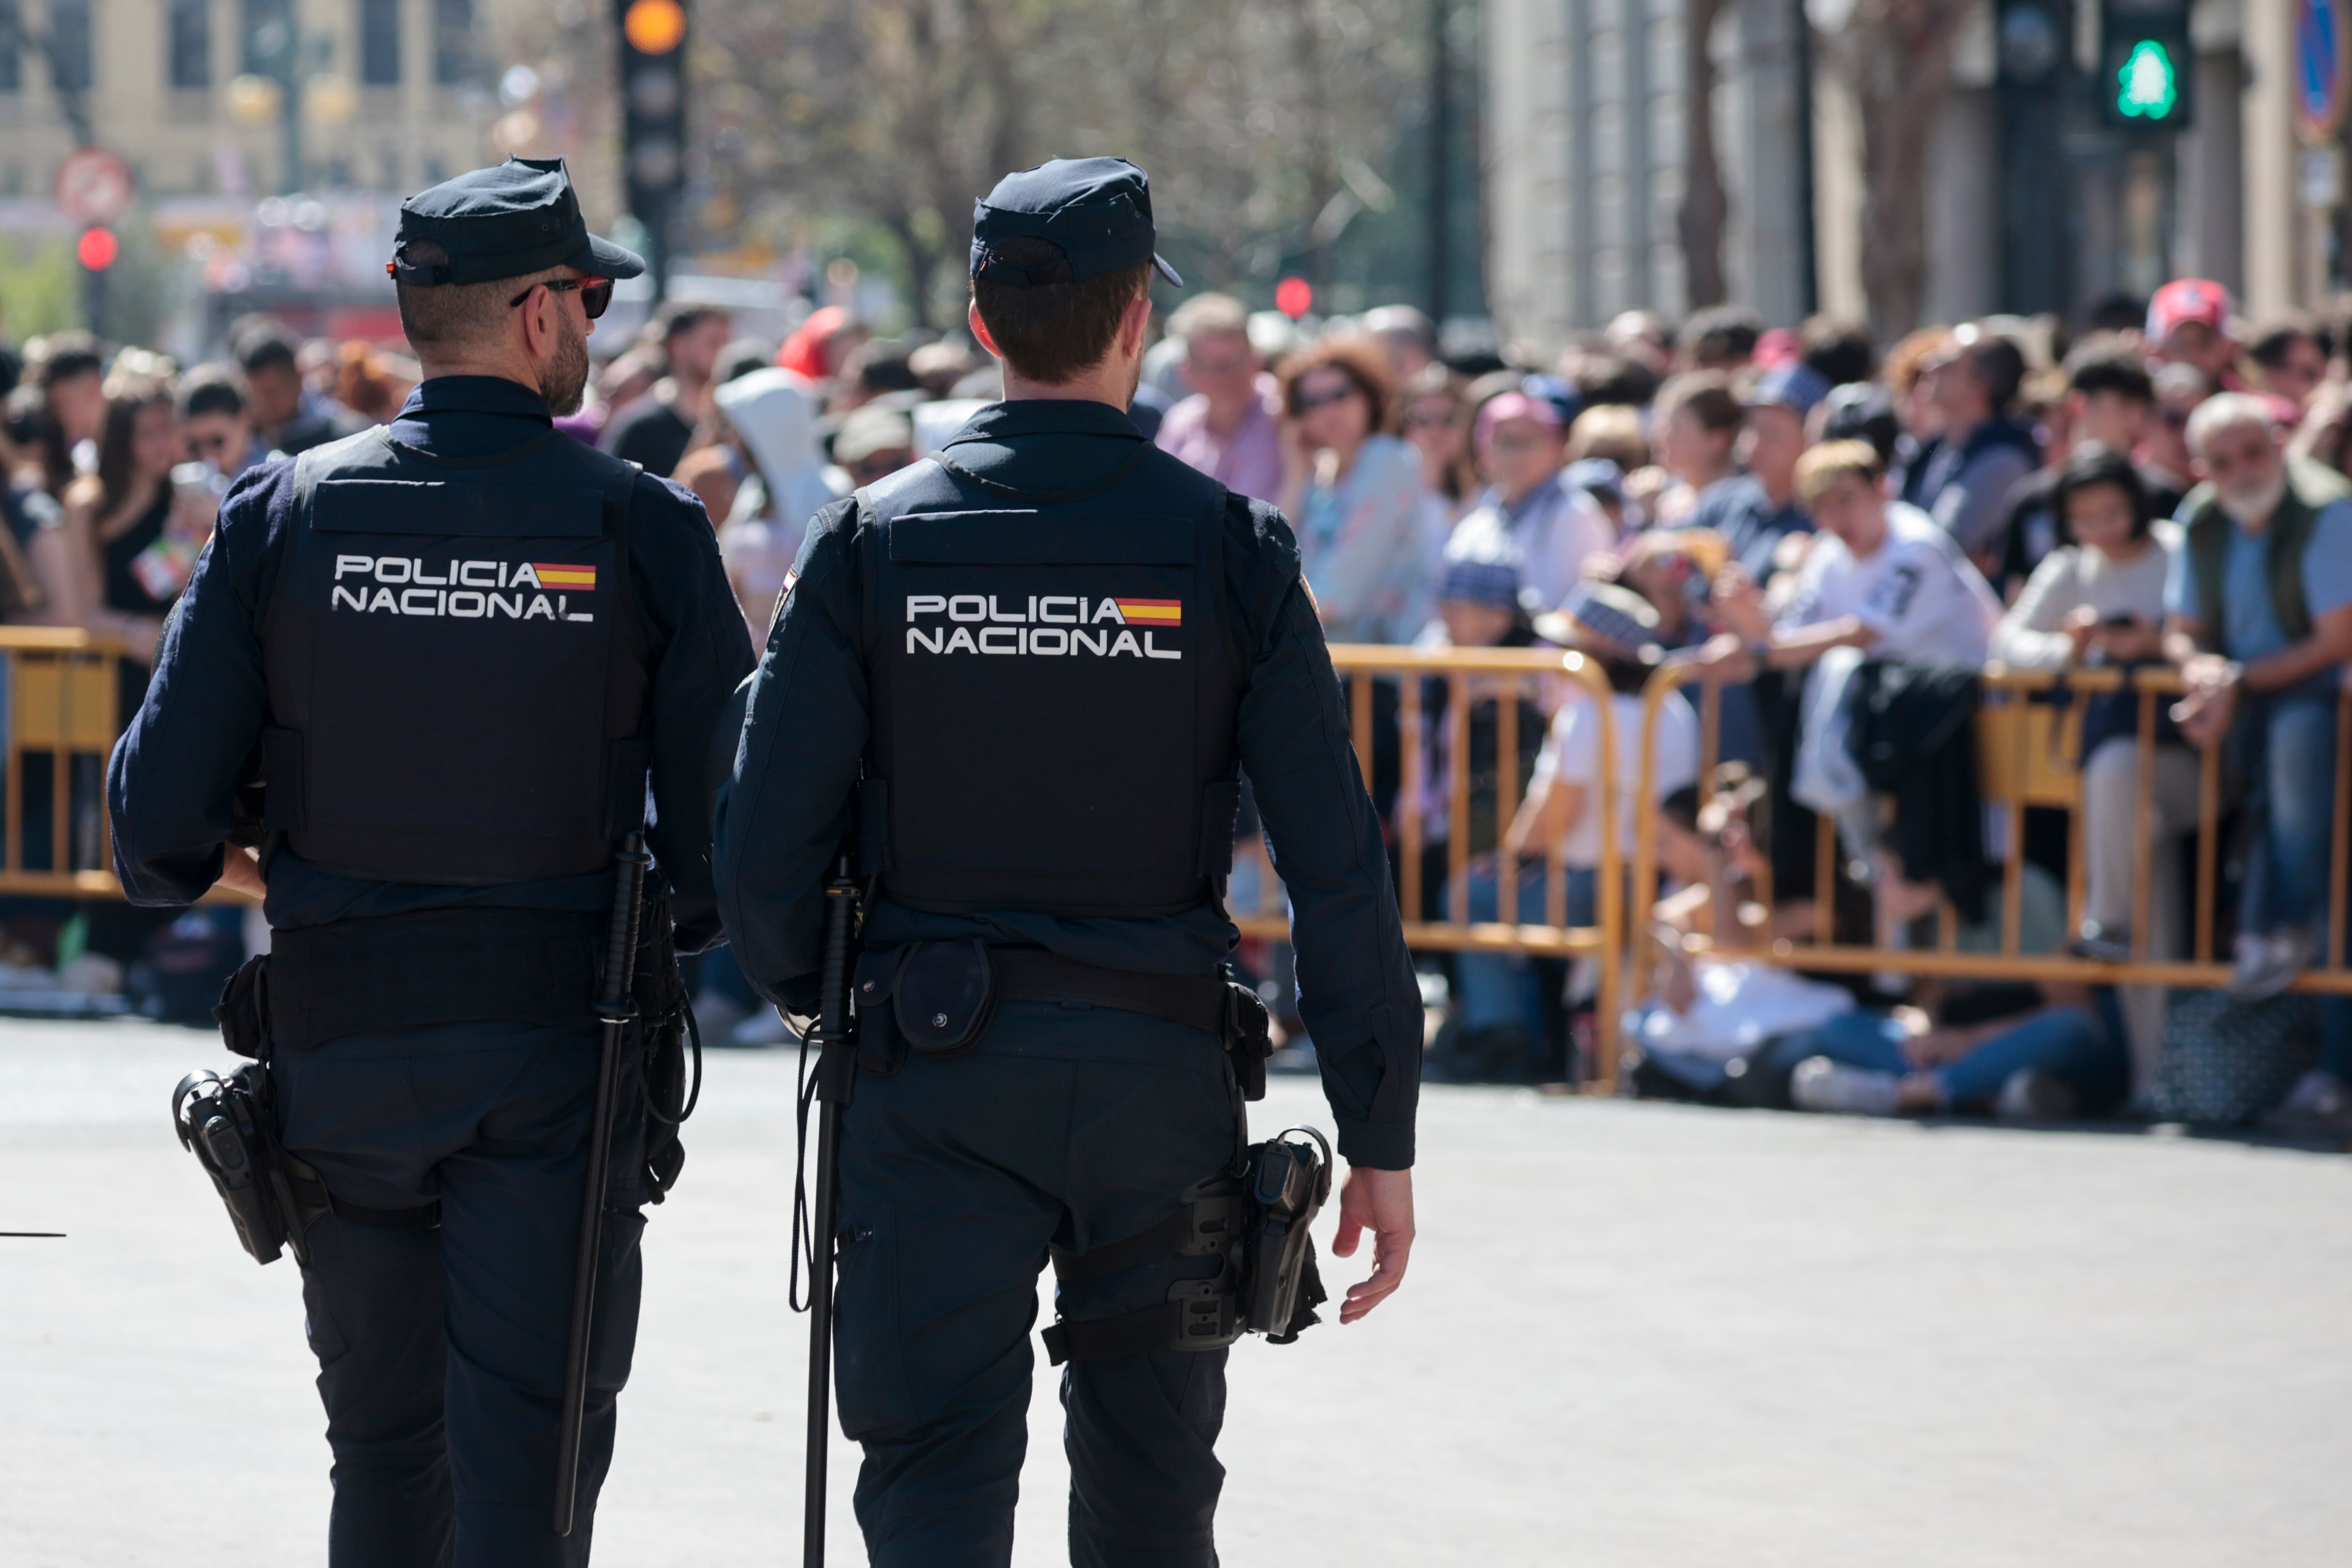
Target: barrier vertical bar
[
  {"x": 1824, "y": 879},
  {"x": 2209, "y": 829},
  {"x": 2144, "y": 828},
  {"x": 1610, "y": 908},
  {"x": 1655, "y": 695},
  {"x": 2340, "y": 853},
  {"x": 1359, "y": 720},
  {"x": 1506, "y": 774},
  {"x": 1457, "y": 804},
  {"x": 1710, "y": 737},
  {"x": 12, "y": 814},
  {"x": 1410, "y": 787},
  {"x": 2012, "y": 880}
]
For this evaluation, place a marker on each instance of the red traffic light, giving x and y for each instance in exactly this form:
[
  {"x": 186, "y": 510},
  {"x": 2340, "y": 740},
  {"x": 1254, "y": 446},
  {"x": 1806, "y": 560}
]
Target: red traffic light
[
  {"x": 96, "y": 248},
  {"x": 1293, "y": 297}
]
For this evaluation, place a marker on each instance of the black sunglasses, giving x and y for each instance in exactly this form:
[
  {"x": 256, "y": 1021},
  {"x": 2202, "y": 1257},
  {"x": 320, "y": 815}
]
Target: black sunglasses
[
  {"x": 1306, "y": 401},
  {"x": 596, "y": 293}
]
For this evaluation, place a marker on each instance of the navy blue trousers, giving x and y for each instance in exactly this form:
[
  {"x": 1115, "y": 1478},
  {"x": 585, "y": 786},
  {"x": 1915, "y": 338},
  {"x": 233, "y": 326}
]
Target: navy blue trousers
[
  {"x": 1065, "y": 1125},
  {"x": 441, "y": 1351}
]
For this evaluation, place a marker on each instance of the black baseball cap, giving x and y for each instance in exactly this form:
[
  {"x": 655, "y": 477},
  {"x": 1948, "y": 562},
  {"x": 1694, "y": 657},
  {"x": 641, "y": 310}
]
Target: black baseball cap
[
  {"x": 520, "y": 217},
  {"x": 1098, "y": 210}
]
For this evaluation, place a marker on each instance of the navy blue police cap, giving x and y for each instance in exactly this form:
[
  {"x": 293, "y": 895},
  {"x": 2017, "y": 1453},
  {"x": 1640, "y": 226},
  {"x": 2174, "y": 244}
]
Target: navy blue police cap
[
  {"x": 520, "y": 217},
  {"x": 1098, "y": 210}
]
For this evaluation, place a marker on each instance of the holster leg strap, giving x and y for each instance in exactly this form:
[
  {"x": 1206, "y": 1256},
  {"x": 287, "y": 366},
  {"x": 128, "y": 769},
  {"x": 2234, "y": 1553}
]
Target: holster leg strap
[{"x": 1197, "y": 1316}]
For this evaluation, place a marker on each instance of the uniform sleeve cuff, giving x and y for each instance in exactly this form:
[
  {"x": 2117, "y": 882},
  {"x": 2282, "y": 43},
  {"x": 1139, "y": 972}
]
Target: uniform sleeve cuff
[{"x": 1377, "y": 1145}]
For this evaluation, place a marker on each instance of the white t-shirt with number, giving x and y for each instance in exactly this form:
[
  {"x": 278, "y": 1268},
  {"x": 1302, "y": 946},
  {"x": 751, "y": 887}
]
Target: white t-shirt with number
[{"x": 1916, "y": 591}]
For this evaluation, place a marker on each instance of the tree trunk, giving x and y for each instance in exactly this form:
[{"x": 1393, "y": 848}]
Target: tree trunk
[
  {"x": 1896, "y": 57},
  {"x": 1700, "y": 221}
]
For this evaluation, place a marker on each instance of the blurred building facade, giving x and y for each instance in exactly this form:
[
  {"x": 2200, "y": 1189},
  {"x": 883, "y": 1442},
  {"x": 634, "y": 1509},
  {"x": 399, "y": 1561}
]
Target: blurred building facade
[
  {"x": 2032, "y": 205},
  {"x": 197, "y": 95}
]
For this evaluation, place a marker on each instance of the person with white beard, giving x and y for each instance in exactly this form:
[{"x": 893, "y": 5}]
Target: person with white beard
[{"x": 2259, "y": 618}]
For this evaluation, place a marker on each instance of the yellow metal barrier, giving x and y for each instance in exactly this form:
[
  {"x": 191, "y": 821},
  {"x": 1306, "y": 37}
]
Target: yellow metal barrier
[
  {"x": 56, "y": 729},
  {"x": 2027, "y": 755},
  {"x": 1472, "y": 676}
]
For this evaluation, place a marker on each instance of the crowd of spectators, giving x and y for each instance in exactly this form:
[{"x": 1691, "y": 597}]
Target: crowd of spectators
[{"x": 1840, "y": 540}]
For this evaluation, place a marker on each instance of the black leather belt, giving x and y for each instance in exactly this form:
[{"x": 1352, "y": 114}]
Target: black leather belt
[
  {"x": 439, "y": 966},
  {"x": 1195, "y": 1001}
]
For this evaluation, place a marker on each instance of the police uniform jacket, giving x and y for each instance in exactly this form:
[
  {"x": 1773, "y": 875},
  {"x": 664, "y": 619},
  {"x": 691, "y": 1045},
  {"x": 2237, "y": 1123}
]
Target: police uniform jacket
[
  {"x": 808, "y": 732},
  {"x": 175, "y": 777}
]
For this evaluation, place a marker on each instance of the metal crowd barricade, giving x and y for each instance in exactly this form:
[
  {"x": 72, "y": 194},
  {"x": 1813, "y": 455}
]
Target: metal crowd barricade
[
  {"x": 2029, "y": 755},
  {"x": 57, "y": 725},
  {"x": 1472, "y": 676}
]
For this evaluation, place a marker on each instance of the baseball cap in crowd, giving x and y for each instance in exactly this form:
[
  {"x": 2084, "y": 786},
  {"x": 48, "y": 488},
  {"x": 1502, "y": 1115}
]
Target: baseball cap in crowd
[
  {"x": 876, "y": 427},
  {"x": 1516, "y": 405},
  {"x": 2182, "y": 302},
  {"x": 1475, "y": 581},
  {"x": 1558, "y": 392},
  {"x": 1604, "y": 619},
  {"x": 520, "y": 217},
  {"x": 1095, "y": 211},
  {"x": 1794, "y": 385},
  {"x": 1862, "y": 411}
]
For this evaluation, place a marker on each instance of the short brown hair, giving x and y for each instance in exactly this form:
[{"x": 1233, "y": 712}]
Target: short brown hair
[
  {"x": 459, "y": 315},
  {"x": 1360, "y": 360},
  {"x": 1707, "y": 394},
  {"x": 1053, "y": 332},
  {"x": 1832, "y": 461}
]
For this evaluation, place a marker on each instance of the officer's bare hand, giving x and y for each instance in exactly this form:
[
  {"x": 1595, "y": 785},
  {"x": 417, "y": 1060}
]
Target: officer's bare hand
[
  {"x": 1381, "y": 1203},
  {"x": 240, "y": 872}
]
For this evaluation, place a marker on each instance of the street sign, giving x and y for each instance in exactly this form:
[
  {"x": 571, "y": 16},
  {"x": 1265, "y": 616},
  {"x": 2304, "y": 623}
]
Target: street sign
[
  {"x": 2319, "y": 70},
  {"x": 92, "y": 186}
]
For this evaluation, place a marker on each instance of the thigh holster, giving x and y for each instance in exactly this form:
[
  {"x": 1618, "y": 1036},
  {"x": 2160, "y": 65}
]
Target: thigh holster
[{"x": 1198, "y": 1315}]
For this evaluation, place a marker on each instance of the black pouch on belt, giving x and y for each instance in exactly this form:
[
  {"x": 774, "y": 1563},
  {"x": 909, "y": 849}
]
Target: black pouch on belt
[
  {"x": 943, "y": 996},
  {"x": 1249, "y": 1039}
]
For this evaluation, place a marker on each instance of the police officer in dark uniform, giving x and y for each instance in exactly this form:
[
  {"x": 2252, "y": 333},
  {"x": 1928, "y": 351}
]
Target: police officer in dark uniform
[
  {"x": 458, "y": 652},
  {"x": 1032, "y": 670}
]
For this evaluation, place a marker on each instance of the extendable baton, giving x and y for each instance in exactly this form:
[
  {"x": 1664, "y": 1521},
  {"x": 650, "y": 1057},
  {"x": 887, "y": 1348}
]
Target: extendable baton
[
  {"x": 835, "y": 1037},
  {"x": 616, "y": 1008}
]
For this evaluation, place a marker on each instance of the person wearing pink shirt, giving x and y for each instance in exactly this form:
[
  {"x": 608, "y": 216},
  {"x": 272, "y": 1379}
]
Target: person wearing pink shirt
[{"x": 1230, "y": 428}]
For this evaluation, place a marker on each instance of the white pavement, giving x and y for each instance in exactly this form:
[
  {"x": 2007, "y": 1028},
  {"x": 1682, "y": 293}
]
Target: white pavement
[{"x": 1632, "y": 1335}]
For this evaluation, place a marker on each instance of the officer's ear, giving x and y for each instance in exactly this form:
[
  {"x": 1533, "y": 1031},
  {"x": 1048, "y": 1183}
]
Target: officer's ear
[{"x": 979, "y": 332}]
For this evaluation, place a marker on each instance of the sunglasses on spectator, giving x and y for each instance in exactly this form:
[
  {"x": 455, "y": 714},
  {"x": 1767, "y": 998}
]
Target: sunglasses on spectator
[
  {"x": 1309, "y": 401},
  {"x": 1435, "y": 415},
  {"x": 596, "y": 293}
]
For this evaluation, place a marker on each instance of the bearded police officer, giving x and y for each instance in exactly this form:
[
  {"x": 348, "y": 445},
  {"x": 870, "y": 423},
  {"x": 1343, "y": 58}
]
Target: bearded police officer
[
  {"x": 456, "y": 651},
  {"x": 1033, "y": 667}
]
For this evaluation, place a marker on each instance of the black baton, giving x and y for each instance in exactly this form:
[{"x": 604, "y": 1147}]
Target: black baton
[
  {"x": 616, "y": 1011},
  {"x": 836, "y": 1041}
]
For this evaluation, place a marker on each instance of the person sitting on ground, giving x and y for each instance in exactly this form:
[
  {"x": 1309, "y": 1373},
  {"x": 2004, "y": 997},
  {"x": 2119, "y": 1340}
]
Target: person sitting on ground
[
  {"x": 1756, "y": 509},
  {"x": 2098, "y": 599},
  {"x": 1694, "y": 427},
  {"x": 2260, "y": 606},
  {"x": 2063, "y": 1061},
  {"x": 1529, "y": 514}
]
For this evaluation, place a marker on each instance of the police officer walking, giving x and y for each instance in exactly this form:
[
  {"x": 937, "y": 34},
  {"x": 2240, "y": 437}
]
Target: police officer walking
[
  {"x": 1032, "y": 670},
  {"x": 457, "y": 651}
]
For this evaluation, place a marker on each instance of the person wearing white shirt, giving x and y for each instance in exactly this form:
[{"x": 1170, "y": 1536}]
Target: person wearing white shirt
[{"x": 1880, "y": 576}]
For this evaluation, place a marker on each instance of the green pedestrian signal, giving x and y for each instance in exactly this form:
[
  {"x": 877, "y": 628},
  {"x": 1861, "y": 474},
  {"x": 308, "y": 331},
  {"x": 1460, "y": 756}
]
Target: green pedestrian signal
[
  {"x": 2148, "y": 85},
  {"x": 2147, "y": 81}
]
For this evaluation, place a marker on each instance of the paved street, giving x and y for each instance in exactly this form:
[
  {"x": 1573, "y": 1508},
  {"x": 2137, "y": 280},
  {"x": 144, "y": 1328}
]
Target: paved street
[{"x": 1634, "y": 1335}]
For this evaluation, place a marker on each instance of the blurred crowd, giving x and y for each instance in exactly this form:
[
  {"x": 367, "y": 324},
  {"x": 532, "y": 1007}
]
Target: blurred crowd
[{"x": 1839, "y": 540}]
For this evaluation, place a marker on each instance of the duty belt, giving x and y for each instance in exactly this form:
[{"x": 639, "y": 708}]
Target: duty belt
[{"x": 439, "y": 966}]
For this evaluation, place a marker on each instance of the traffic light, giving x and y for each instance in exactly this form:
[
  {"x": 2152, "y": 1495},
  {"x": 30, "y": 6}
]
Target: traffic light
[
  {"x": 653, "y": 131},
  {"x": 96, "y": 247},
  {"x": 2147, "y": 68}
]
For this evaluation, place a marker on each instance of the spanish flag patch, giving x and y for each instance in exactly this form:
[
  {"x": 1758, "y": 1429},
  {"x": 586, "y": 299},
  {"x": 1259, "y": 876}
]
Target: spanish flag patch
[
  {"x": 555, "y": 575},
  {"x": 1152, "y": 612}
]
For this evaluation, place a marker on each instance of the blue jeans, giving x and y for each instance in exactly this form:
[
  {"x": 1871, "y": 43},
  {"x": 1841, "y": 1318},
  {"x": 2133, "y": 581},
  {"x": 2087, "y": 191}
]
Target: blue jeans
[
  {"x": 2065, "y": 1041},
  {"x": 2290, "y": 747},
  {"x": 1493, "y": 989}
]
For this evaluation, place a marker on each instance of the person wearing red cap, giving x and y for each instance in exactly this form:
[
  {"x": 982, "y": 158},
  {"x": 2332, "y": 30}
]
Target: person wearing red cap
[{"x": 2190, "y": 323}]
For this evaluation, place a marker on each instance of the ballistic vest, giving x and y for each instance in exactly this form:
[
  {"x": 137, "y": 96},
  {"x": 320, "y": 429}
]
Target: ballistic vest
[
  {"x": 1052, "y": 692},
  {"x": 455, "y": 679}
]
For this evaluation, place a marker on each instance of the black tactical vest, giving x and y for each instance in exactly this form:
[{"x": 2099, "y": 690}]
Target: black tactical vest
[
  {"x": 1054, "y": 693},
  {"x": 456, "y": 679}
]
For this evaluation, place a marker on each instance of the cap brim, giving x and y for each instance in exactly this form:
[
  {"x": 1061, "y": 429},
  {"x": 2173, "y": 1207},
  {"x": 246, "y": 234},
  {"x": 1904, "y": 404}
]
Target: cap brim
[
  {"x": 1167, "y": 271},
  {"x": 603, "y": 258}
]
